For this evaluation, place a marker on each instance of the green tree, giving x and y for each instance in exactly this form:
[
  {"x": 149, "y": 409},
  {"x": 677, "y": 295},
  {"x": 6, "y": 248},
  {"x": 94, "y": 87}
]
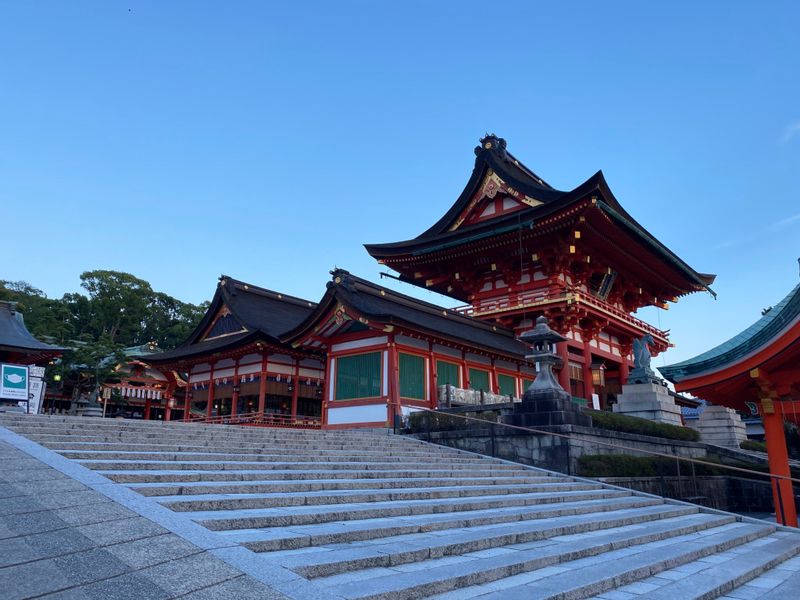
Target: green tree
[
  {"x": 119, "y": 310},
  {"x": 45, "y": 318},
  {"x": 119, "y": 305}
]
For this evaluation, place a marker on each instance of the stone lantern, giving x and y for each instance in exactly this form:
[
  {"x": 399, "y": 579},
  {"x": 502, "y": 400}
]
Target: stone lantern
[
  {"x": 545, "y": 402},
  {"x": 542, "y": 340}
]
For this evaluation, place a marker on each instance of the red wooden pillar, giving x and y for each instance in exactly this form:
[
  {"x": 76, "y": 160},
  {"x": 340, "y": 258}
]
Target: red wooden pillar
[
  {"x": 187, "y": 400},
  {"x": 296, "y": 390},
  {"x": 394, "y": 383},
  {"x": 624, "y": 371},
  {"x": 778, "y": 456},
  {"x": 147, "y": 409},
  {"x": 563, "y": 374},
  {"x": 262, "y": 386},
  {"x": 167, "y": 409},
  {"x": 433, "y": 387},
  {"x": 326, "y": 388},
  {"x": 493, "y": 383},
  {"x": 588, "y": 386},
  {"x": 235, "y": 395},
  {"x": 210, "y": 397}
]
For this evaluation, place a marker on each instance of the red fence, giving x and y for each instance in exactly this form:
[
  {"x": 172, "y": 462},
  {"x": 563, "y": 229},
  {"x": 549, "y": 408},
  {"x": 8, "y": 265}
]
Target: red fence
[{"x": 257, "y": 419}]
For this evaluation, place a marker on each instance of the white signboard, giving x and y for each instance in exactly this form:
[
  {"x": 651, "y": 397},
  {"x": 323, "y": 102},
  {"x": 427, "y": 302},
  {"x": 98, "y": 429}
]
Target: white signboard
[
  {"x": 35, "y": 371},
  {"x": 36, "y": 394},
  {"x": 14, "y": 382}
]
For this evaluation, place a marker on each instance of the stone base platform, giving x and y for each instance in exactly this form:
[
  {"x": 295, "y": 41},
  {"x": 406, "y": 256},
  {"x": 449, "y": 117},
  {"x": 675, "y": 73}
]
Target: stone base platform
[
  {"x": 649, "y": 401},
  {"x": 721, "y": 426}
]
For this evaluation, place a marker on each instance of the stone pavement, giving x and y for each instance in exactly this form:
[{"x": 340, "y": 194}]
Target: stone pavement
[
  {"x": 270, "y": 513},
  {"x": 60, "y": 539}
]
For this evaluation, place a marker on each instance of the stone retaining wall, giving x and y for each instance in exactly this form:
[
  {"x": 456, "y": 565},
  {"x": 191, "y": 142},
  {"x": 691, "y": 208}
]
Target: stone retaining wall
[
  {"x": 557, "y": 453},
  {"x": 724, "y": 493}
]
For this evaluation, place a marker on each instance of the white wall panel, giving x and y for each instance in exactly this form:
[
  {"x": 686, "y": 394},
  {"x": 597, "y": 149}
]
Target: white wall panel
[
  {"x": 359, "y": 343},
  {"x": 371, "y": 413},
  {"x": 247, "y": 369}
]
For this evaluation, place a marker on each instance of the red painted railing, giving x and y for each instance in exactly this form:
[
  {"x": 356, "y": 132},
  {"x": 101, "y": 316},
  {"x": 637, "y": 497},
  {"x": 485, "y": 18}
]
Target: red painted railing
[
  {"x": 578, "y": 296},
  {"x": 257, "y": 419}
]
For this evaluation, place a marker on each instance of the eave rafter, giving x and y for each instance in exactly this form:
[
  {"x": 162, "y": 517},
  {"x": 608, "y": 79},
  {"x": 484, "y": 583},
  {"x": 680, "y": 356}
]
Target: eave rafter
[{"x": 621, "y": 254}]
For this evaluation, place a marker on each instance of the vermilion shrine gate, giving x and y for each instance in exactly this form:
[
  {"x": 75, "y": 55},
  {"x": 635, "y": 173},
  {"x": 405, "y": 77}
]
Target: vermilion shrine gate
[{"x": 759, "y": 366}]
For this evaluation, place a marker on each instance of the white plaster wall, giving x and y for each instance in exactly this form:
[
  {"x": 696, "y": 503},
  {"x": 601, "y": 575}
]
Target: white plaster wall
[{"x": 346, "y": 415}]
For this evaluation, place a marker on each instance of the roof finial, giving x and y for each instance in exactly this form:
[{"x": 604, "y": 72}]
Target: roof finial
[{"x": 490, "y": 142}]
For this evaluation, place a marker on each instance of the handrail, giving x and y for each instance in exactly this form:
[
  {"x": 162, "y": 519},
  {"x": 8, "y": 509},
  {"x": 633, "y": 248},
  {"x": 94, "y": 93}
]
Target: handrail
[
  {"x": 573, "y": 294},
  {"x": 258, "y": 418},
  {"x": 611, "y": 445}
]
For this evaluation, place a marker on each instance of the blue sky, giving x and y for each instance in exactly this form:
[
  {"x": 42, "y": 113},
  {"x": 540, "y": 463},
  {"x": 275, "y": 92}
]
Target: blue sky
[{"x": 268, "y": 141}]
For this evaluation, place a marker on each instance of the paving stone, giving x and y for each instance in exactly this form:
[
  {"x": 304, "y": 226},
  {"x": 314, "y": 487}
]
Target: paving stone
[
  {"x": 8, "y": 490},
  {"x": 29, "y": 523},
  {"x": 17, "y": 505},
  {"x": 90, "y": 566},
  {"x": 130, "y": 586},
  {"x": 190, "y": 574},
  {"x": 152, "y": 550},
  {"x": 746, "y": 592},
  {"x": 83, "y": 498},
  {"x": 48, "y": 487},
  {"x": 99, "y": 513},
  {"x": 121, "y": 530},
  {"x": 788, "y": 589},
  {"x": 241, "y": 588},
  {"x": 32, "y": 579},
  {"x": 57, "y": 543}
]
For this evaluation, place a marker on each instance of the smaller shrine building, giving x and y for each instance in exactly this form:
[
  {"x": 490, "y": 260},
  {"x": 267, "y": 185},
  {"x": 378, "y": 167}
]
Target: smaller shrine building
[
  {"x": 235, "y": 364},
  {"x": 17, "y": 345},
  {"x": 756, "y": 371}
]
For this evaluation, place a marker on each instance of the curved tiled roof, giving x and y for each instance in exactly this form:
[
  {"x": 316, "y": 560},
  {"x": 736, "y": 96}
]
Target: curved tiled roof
[
  {"x": 15, "y": 337},
  {"x": 492, "y": 155},
  {"x": 387, "y": 306},
  {"x": 780, "y": 316},
  {"x": 263, "y": 314}
]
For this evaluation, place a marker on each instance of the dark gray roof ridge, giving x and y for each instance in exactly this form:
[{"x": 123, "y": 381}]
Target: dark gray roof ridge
[
  {"x": 14, "y": 333},
  {"x": 743, "y": 343}
]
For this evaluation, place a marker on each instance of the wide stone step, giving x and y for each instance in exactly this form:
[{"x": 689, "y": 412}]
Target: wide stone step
[
  {"x": 356, "y": 457},
  {"x": 214, "y": 465},
  {"x": 587, "y": 578},
  {"x": 789, "y": 576},
  {"x": 111, "y": 435},
  {"x": 215, "y": 432},
  {"x": 201, "y": 502},
  {"x": 266, "y": 436},
  {"x": 305, "y": 515},
  {"x": 189, "y": 437},
  {"x": 301, "y": 536},
  {"x": 242, "y": 448},
  {"x": 179, "y": 476},
  {"x": 317, "y": 485},
  {"x": 719, "y": 574},
  {"x": 404, "y": 549},
  {"x": 630, "y": 553}
]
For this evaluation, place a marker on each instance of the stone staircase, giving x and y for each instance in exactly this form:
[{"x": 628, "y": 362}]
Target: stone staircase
[{"x": 371, "y": 515}]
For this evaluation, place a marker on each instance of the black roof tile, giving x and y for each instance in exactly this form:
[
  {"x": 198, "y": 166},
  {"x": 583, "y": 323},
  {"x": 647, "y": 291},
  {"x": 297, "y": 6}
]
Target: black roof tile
[
  {"x": 15, "y": 337},
  {"x": 386, "y": 306},
  {"x": 264, "y": 314}
]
